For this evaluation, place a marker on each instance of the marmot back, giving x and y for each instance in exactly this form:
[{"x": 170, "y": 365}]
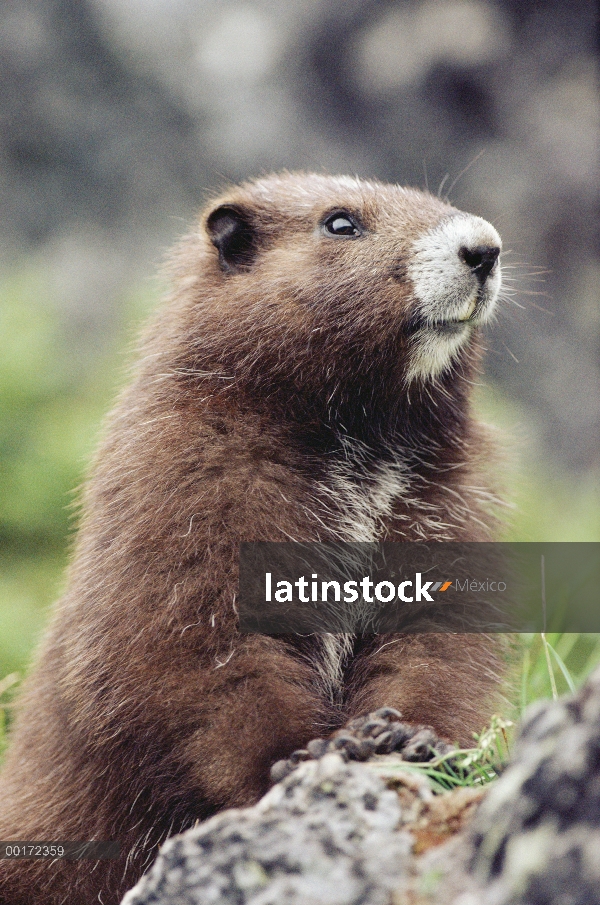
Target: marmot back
[{"x": 309, "y": 378}]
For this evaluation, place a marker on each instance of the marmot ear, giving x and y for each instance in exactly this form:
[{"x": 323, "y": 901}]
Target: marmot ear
[{"x": 232, "y": 232}]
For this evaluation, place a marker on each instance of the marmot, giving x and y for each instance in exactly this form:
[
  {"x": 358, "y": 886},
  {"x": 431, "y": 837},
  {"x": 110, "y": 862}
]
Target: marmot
[{"x": 308, "y": 379}]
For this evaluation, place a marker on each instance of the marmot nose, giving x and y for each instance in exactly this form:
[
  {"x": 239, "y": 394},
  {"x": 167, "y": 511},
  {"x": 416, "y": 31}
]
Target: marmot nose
[{"x": 480, "y": 259}]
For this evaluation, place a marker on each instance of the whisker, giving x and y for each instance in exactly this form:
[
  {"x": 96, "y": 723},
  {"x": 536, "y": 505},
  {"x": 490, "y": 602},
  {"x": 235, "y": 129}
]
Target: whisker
[
  {"x": 540, "y": 308},
  {"x": 536, "y": 292},
  {"x": 506, "y": 298},
  {"x": 462, "y": 172},
  {"x": 514, "y": 357}
]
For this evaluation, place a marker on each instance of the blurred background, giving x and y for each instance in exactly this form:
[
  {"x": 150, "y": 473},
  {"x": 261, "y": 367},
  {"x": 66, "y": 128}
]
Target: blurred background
[{"x": 119, "y": 117}]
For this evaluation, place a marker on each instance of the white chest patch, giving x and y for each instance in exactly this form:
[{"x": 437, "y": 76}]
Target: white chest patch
[
  {"x": 363, "y": 493},
  {"x": 359, "y": 495}
]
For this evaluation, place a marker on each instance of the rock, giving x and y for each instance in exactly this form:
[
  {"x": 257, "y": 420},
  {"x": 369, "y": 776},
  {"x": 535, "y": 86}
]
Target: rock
[
  {"x": 327, "y": 834},
  {"x": 536, "y": 838},
  {"x": 335, "y": 832}
]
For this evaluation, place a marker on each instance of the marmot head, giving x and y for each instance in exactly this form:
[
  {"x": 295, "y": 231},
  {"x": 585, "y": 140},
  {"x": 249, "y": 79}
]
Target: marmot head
[{"x": 348, "y": 290}]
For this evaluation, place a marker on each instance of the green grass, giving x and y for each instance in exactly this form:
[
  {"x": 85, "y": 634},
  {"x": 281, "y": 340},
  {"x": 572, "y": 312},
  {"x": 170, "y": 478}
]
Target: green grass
[
  {"x": 474, "y": 766},
  {"x": 556, "y": 666}
]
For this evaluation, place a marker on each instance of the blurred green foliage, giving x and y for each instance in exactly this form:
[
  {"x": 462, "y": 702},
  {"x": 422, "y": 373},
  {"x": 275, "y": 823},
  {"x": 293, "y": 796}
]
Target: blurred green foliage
[
  {"x": 51, "y": 407},
  {"x": 547, "y": 503},
  {"x": 578, "y": 654},
  {"x": 52, "y": 400}
]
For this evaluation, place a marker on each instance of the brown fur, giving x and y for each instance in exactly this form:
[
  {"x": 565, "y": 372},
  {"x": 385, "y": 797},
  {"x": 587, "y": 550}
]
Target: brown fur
[{"x": 147, "y": 709}]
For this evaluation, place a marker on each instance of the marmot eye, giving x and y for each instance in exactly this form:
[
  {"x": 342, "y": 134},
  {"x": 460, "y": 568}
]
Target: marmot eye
[{"x": 341, "y": 225}]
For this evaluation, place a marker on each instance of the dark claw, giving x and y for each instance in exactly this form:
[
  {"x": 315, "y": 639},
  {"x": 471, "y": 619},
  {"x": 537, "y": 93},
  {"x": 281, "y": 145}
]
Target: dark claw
[
  {"x": 374, "y": 728},
  {"x": 400, "y": 735},
  {"x": 300, "y": 754},
  {"x": 387, "y": 713},
  {"x": 350, "y": 745},
  {"x": 421, "y": 747},
  {"x": 384, "y": 743}
]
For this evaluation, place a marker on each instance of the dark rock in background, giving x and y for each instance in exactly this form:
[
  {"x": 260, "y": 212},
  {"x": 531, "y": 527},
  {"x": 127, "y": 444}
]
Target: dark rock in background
[{"x": 118, "y": 116}]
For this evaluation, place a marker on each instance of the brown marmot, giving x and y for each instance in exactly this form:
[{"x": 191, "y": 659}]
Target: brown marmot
[{"x": 309, "y": 378}]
